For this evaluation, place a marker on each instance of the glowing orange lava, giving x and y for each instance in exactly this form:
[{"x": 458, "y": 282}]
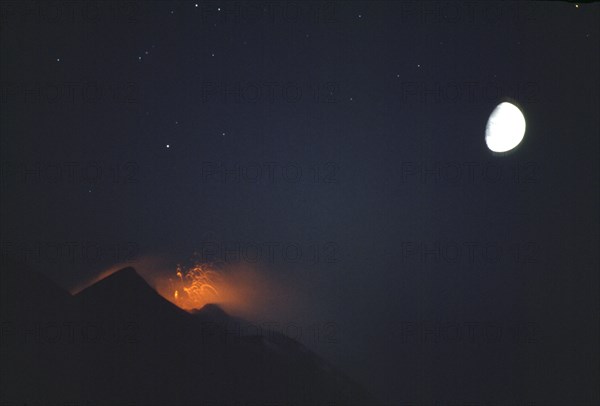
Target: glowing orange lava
[{"x": 195, "y": 287}]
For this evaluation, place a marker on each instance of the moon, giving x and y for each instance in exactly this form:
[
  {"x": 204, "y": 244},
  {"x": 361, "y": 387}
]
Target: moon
[{"x": 505, "y": 128}]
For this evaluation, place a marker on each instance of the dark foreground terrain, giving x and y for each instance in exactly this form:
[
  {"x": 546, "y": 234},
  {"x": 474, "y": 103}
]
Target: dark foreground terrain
[{"x": 120, "y": 342}]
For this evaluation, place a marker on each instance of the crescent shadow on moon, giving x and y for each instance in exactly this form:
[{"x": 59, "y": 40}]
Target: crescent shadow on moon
[{"x": 518, "y": 138}]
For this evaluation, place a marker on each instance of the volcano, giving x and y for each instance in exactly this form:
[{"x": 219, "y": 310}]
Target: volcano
[{"x": 120, "y": 342}]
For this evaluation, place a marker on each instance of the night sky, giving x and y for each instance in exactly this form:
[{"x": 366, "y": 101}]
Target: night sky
[{"x": 351, "y": 129}]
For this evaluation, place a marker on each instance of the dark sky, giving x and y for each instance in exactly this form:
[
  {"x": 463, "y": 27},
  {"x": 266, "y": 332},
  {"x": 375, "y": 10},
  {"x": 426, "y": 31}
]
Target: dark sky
[{"x": 356, "y": 128}]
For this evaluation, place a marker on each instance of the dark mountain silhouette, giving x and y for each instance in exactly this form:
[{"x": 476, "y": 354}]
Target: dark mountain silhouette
[
  {"x": 214, "y": 313},
  {"x": 26, "y": 294},
  {"x": 120, "y": 342},
  {"x": 33, "y": 314}
]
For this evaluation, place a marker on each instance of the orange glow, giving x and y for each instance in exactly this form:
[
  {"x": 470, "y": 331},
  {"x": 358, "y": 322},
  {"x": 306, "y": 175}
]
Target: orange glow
[
  {"x": 194, "y": 287},
  {"x": 241, "y": 289}
]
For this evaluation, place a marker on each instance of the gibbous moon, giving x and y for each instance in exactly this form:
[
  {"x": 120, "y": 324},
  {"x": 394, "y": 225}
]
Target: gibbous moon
[{"x": 505, "y": 128}]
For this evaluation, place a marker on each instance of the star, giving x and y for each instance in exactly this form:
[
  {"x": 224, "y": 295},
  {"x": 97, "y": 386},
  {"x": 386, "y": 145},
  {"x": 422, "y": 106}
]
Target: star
[
  {"x": 168, "y": 146},
  {"x": 223, "y": 134},
  {"x": 196, "y": 5}
]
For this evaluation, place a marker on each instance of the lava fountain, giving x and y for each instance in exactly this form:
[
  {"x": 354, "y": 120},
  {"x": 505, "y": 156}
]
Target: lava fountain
[
  {"x": 194, "y": 287},
  {"x": 242, "y": 289}
]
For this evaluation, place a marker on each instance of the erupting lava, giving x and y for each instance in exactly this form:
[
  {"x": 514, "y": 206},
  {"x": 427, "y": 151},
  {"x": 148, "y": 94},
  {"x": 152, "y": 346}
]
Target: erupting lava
[
  {"x": 239, "y": 288},
  {"x": 195, "y": 287}
]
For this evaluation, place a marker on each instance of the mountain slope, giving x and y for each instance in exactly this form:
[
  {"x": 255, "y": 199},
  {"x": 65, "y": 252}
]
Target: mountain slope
[{"x": 130, "y": 345}]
